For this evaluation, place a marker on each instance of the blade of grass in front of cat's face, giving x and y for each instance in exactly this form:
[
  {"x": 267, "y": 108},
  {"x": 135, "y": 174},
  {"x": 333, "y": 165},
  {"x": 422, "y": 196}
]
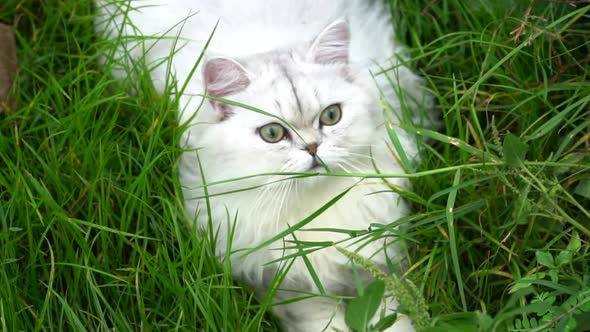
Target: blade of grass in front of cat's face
[{"x": 416, "y": 175}]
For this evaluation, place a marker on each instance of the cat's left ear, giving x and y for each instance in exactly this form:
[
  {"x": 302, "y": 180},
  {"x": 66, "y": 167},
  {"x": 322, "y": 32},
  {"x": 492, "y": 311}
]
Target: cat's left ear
[
  {"x": 332, "y": 45},
  {"x": 224, "y": 77}
]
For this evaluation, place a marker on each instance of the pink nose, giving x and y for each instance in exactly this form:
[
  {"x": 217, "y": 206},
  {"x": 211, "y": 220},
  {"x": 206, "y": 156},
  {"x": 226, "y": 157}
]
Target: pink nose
[{"x": 312, "y": 148}]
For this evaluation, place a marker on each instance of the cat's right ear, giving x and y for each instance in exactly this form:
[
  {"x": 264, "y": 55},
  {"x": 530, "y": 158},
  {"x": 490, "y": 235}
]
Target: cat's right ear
[
  {"x": 224, "y": 77},
  {"x": 331, "y": 45}
]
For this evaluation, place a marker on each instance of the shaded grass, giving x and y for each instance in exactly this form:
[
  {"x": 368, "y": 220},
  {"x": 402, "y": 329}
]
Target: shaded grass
[{"x": 92, "y": 232}]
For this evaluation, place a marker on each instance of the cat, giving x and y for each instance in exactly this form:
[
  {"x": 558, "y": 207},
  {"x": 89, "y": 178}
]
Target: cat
[{"x": 309, "y": 72}]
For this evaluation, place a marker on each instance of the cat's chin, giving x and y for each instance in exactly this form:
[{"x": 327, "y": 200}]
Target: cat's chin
[
  {"x": 320, "y": 178},
  {"x": 316, "y": 168}
]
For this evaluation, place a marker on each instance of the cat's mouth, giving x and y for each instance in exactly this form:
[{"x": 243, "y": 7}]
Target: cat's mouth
[
  {"x": 315, "y": 163},
  {"x": 316, "y": 166}
]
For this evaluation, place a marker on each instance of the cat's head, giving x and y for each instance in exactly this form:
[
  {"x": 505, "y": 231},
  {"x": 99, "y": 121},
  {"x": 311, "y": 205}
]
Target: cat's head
[{"x": 320, "y": 110}]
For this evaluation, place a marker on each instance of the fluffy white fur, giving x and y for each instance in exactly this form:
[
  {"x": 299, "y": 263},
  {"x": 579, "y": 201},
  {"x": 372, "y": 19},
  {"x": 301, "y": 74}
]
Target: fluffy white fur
[{"x": 290, "y": 58}]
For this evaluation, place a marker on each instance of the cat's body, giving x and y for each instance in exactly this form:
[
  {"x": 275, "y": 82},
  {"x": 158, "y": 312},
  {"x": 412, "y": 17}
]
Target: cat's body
[{"x": 306, "y": 62}]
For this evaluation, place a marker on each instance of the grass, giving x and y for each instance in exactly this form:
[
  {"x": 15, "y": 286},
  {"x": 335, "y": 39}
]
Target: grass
[{"x": 92, "y": 233}]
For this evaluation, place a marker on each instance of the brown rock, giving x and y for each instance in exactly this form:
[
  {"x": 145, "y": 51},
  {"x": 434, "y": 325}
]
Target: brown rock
[{"x": 7, "y": 64}]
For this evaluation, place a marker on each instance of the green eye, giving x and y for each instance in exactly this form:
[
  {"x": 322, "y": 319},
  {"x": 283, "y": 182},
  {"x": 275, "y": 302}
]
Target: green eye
[
  {"x": 331, "y": 115},
  {"x": 272, "y": 132}
]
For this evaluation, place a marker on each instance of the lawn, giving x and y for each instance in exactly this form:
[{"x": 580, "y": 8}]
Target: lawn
[{"x": 92, "y": 231}]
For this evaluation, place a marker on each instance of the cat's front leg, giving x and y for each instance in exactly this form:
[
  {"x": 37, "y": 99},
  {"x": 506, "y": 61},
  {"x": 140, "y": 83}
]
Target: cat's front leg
[
  {"x": 311, "y": 315},
  {"x": 403, "y": 323},
  {"x": 327, "y": 314}
]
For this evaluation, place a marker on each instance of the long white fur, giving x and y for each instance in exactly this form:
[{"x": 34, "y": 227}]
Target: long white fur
[{"x": 272, "y": 40}]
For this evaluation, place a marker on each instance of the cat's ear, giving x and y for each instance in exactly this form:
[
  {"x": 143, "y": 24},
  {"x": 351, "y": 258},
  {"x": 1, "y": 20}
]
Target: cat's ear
[
  {"x": 332, "y": 45},
  {"x": 224, "y": 77}
]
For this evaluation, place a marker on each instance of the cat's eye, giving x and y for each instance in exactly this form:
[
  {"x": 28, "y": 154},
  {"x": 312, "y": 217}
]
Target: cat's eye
[
  {"x": 331, "y": 115},
  {"x": 272, "y": 132}
]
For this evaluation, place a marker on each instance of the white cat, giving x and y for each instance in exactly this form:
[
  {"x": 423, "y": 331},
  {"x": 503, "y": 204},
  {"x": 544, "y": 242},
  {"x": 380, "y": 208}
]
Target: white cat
[{"x": 306, "y": 63}]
